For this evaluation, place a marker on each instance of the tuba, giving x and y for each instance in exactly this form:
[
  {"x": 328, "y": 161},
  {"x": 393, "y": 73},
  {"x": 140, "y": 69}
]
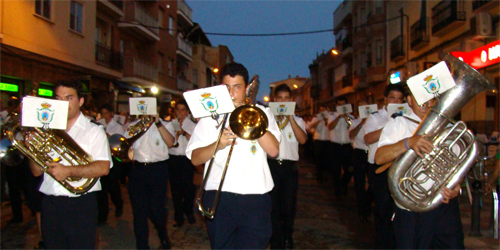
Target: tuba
[
  {"x": 248, "y": 122},
  {"x": 51, "y": 145},
  {"x": 121, "y": 147},
  {"x": 414, "y": 182}
]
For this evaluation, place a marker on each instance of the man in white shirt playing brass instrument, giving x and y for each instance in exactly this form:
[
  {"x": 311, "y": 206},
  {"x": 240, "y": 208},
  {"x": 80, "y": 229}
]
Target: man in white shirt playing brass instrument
[
  {"x": 243, "y": 218},
  {"x": 284, "y": 170}
]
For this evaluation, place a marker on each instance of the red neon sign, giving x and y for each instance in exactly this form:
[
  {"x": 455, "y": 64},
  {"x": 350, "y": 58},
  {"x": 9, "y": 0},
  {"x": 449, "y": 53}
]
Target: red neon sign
[{"x": 481, "y": 57}]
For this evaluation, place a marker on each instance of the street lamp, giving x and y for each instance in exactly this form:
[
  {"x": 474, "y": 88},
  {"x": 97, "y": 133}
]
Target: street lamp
[
  {"x": 154, "y": 90},
  {"x": 266, "y": 98},
  {"x": 215, "y": 70},
  {"x": 335, "y": 52}
]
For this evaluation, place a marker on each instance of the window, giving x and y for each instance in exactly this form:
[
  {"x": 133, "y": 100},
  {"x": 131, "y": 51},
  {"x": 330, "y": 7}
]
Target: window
[
  {"x": 160, "y": 63},
  {"x": 171, "y": 26},
  {"x": 42, "y": 8},
  {"x": 160, "y": 19},
  {"x": 170, "y": 67},
  {"x": 379, "y": 52},
  {"x": 76, "y": 16}
]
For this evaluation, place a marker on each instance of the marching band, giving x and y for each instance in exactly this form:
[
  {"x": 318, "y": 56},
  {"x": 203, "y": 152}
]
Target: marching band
[{"x": 257, "y": 198}]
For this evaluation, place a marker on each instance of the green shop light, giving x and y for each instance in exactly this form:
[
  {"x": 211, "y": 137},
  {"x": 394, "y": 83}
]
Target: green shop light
[{"x": 8, "y": 87}]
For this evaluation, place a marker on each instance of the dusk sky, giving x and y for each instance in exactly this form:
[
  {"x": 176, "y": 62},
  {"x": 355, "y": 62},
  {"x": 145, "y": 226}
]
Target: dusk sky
[{"x": 273, "y": 58}]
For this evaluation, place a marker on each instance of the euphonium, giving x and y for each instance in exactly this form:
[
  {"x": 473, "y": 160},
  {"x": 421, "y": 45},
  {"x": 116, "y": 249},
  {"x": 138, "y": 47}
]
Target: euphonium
[
  {"x": 415, "y": 183},
  {"x": 121, "y": 147},
  {"x": 248, "y": 122},
  {"x": 51, "y": 145}
]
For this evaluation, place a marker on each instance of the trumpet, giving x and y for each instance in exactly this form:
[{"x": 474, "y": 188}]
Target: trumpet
[{"x": 248, "y": 122}]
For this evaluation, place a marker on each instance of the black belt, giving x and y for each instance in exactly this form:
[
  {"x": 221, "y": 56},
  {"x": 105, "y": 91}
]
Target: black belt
[
  {"x": 280, "y": 161},
  {"x": 147, "y": 163}
]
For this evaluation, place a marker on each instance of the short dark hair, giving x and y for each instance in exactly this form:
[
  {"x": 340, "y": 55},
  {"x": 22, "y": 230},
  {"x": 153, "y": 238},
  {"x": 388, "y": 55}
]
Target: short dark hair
[
  {"x": 341, "y": 99},
  {"x": 71, "y": 83},
  {"x": 234, "y": 69},
  {"x": 107, "y": 107},
  {"x": 183, "y": 102},
  {"x": 283, "y": 88},
  {"x": 394, "y": 87}
]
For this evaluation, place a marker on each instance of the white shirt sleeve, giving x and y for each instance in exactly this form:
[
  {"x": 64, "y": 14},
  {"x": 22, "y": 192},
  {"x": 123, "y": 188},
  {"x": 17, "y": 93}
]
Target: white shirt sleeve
[
  {"x": 391, "y": 133},
  {"x": 370, "y": 125},
  {"x": 99, "y": 148}
]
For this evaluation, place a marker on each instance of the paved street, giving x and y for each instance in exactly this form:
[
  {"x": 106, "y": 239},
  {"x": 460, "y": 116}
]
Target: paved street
[{"x": 321, "y": 223}]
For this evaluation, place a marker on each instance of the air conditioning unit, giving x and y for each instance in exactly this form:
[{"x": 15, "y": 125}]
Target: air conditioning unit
[{"x": 481, "y": 25}]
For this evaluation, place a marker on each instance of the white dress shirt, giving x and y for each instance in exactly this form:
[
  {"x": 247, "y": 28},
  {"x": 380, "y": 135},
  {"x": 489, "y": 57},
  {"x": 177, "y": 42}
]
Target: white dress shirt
[
  {"x": 113, "y": 127},
  {"x": 321, "y": 131},
  {"x": 188, "y": 126},
  {"x": 339, "y": 134},
  {"x": 358, "y": 141},
  {"x": 374, "y": 122},
  {"x": 93, "y": 140},
  {"x": 248, "y": 171},
  {"x": 289, "y": 146},
  {"x": 398, "y": 129},
  {"x": 150, "y": 147}
]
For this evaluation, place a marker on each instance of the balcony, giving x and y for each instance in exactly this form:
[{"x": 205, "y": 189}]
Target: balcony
[
  {"x": 347, "y": 81},
  {"x": 347, "y": 46},
  {"x": 184, "y": 12},
  {"x": 108, "y": 57},
  {"x": 113, "y": 8},
  {"x": 419, "y": 34},
  {"x": 183, "y": 84},
  {"x": 483, "y": 5},
  {"x": 144, "y": 24},
  {"x": 343, "y": 14},
  {"x": 184, "y": 49},
  {"x": 447, "y": 16},
  {"x": 397, "y": 48},
  {"x": 144, "y": 70}
]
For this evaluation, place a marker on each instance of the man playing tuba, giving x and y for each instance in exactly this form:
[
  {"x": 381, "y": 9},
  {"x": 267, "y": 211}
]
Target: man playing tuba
[
  {"x": 440, "y": 228},
  {"x": 69, "y": 221}
]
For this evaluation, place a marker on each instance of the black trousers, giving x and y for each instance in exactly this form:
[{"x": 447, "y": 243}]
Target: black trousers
[
  {"x": 20, "y": 181},
  {"x": 342, "y": 158},
  {"x": 284, "y": 198},
  {"x": 69, "y": 222},
  {"x": 321, "y": 150},
  {"x": 240, "y": 221},
  {"x": 360, "y": 164},
  {"x": 440, "y": 228},
  {"x": 181, "y": 174},
  {"x": 148, "y": 194},
  {"x": 384, "y": 208},
  {"x": 110, "y": 185}
]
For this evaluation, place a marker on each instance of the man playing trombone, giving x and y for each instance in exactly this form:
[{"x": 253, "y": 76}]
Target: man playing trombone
[
  {"x": 284, "y": 170},
  {"x": 243, "y": 218}
]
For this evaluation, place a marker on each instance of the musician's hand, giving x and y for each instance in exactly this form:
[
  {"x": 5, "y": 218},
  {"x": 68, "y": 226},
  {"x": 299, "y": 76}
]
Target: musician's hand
[
  {"x": 449, "y": 194},
  {"x": 98, "y": 117},
  {"x": 179, "y": 133},
  {"x": 59, "y": 171},
  {"x": 420, "y": 145},
  {"x": 157, "y": 118},
  {"x": 227, "y": 138}
]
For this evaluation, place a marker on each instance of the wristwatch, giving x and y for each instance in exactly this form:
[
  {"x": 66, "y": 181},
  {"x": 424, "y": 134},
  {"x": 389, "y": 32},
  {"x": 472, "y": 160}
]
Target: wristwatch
[{"x": 158, "y": 124}]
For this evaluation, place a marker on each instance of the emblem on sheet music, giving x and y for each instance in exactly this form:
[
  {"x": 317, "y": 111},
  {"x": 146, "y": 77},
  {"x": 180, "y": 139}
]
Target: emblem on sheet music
[
  {"x": 209, "y": 103},
  {"x": 45, "y": 114},
  {"x": 281, "y": 109},
  {"x": 142, "y": 107},
  {"x": 253, "y": 148},
  {"x": 431, "y": 84}
]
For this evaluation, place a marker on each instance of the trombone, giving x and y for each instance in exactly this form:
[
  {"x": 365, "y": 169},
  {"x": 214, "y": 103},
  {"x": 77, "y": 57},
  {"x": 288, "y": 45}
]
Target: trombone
[{"x": 248, "y": 122}]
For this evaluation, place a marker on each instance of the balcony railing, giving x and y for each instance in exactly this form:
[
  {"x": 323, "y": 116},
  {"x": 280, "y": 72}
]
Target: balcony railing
[
  {"x": 419, "y": 34},
  {"x": 146, "y": 19},
  {"x": 347, "y": 42},
  {"x": 397, "y": 48},
  {"x": 446, "y": 13},
  {"x": 184, "y": 8},
  {"x": 108, "y": 57},
  {"x": 117, "y": 3},
  {"x": 183, "y": 84},
  {"x": 184, "y": 46},
  {"x": 347, "y": 81},
  {"x": 145, "y": 70},
  {"x": 476, "y": 4}
]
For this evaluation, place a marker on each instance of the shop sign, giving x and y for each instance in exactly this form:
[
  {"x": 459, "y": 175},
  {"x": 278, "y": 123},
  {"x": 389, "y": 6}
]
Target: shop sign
[
  {"x": 481, "y": 57},
  {"x": 8, "y": 87}
]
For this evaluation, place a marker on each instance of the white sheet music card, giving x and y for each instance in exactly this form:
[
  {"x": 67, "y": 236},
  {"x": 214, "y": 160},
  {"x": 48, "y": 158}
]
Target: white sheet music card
[
  {"x": 430, "y": 83},
  {"x": 400, "y": 108},
  {"x": 207, "y": 101},
  {"x": 282, "y": 108},
  {"x": 366, "y": 110},
  {"x": 344, "y": 109},
  {"x": 142, "y": 105},
  {"x": 42, "y": 112},
  {"x": 120, "y": 119}
]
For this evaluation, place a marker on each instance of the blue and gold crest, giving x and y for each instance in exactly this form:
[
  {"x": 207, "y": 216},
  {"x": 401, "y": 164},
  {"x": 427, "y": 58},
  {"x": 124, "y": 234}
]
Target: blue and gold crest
[
  {"x": 344, "y": 110},
  {"x": 282, "y": 109},
  {"x": 142, "y": 107},
  {"x": 431, "y": 84},
  {"x": 45, "y": 114},
  {"x": 253, "y": 148},
  {"x": 367, "y": 110},
  {"x": 209, "y": 103}
]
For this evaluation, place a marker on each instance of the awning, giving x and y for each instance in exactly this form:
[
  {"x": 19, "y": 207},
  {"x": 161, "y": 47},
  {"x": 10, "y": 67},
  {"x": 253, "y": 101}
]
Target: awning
[{"x": 128, "y": 86}]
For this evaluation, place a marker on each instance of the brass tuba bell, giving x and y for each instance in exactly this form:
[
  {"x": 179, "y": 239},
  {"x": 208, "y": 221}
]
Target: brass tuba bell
[{"x": 121, "y": 147}]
